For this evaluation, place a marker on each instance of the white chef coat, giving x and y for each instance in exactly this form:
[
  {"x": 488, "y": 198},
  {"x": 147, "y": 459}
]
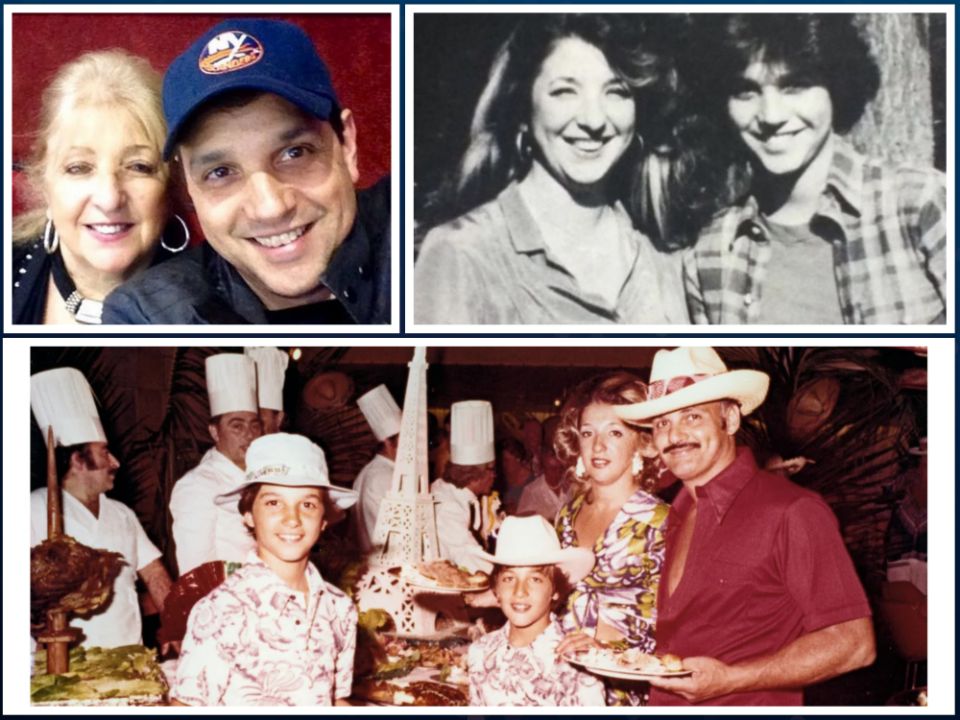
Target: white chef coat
[
  {"x": 371, "y": 485},
  {"x": 202, "y": 530},
  {"x": 539, "y": 497},
  {"x": 458, "y": 512},
  {"x": 117, "y": 529}
]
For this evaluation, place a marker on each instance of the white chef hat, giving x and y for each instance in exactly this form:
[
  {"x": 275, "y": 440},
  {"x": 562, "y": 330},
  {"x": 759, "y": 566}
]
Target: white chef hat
[
  {"x": 471, "y": 432},
  {"x": 231, "y": 384},
  {"x": 62, "y": 398},
  {"x": 381, "y": 411},
  {"x": 271, "y": 369}
]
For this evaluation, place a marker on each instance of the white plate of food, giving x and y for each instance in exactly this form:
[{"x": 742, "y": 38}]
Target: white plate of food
[
  {"x": 441, "y": 576},
  {"x": 629, "y": 664}
]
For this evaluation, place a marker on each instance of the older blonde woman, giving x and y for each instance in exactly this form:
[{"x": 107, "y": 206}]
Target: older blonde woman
[{"x": 97, "y": 190}]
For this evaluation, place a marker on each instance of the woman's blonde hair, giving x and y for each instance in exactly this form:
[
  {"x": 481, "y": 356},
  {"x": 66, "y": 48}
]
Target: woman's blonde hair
[
  {"x": 611, "y": 388},
  {"x": 112, "y": 78}
]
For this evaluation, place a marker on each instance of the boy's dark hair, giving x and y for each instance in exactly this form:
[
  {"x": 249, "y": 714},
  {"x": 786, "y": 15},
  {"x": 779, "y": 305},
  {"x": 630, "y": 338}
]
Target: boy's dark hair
[
  {"x": 823, "y": 49},
  {"x": 561, "y": 583}
]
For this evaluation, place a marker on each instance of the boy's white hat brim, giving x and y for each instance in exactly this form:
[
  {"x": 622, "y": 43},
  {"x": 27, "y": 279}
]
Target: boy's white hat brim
[
  {"x": 291, "y": 460},
  {"x": 692, "y": 376},
  {"x": 529, "y": 541}
]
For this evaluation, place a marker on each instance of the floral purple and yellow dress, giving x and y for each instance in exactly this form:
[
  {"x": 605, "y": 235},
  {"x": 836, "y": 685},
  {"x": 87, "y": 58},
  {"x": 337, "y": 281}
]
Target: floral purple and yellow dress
[{"x": 622, "y": 587}]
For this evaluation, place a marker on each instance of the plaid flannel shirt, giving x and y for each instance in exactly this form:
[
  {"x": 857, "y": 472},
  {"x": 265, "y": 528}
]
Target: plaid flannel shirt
[{"x": 887, "y": 226}]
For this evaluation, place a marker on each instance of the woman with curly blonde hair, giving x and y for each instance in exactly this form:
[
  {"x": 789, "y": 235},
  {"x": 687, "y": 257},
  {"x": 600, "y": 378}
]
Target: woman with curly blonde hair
[{"x": 616, "y": 515}]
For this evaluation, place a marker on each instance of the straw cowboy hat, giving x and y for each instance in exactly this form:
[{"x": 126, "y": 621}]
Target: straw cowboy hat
[
  {"x": 692, "y": 376},
  {"x": 530, "y": 540}
]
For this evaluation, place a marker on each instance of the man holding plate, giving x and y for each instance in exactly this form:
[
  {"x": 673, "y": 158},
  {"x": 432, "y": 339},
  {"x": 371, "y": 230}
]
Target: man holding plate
[{"x": 758, "y": 593}]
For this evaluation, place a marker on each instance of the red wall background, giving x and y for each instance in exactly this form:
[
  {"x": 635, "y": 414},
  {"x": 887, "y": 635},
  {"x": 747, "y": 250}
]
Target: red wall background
[{"x": 356, "y": 48}]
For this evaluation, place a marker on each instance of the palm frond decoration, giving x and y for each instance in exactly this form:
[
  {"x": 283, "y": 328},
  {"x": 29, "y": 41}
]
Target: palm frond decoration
[{"x": 843, "y": 409}]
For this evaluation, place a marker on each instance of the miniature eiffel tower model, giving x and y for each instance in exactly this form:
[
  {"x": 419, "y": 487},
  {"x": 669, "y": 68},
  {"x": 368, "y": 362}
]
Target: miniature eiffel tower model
[{"x": 406, "y": 529}]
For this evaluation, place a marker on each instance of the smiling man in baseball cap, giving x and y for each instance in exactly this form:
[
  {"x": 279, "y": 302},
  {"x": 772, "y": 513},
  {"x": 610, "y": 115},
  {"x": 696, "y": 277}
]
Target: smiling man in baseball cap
[
  {"x": 757, "y": 592},
  {"x": 269, "y": 158}
]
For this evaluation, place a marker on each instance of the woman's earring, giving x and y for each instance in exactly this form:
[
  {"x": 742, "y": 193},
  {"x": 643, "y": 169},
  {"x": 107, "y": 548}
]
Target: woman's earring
[
  {"x": 524, "y": 144},
  {"x": 581, "y": 470},
  {"x": 637, "y": 464},
  {"x": 51, "y": 240},
  {"x": 186, "y": 237}
]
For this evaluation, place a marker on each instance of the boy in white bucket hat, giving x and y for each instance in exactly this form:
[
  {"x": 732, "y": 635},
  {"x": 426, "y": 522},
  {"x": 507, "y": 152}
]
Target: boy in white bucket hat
[
  {"x": 517, "y": 665},
  {"x": 468, "y": 476},
  {"x": 271, "y": 372},
  {"x": 757, "y": 593},
  {"x": 383, "y": 416},
  {"x": 202, "y": 531},
  {"x": 274, "y": 633},
  {"x": 62, "y": 399}
]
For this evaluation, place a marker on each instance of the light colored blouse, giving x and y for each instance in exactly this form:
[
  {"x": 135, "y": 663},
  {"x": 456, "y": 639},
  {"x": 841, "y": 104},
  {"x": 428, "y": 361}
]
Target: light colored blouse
[{"x": 493, "y": 266}]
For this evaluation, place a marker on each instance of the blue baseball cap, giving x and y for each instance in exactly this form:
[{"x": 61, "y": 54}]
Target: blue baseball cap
[{"x": 245, "y": 53}]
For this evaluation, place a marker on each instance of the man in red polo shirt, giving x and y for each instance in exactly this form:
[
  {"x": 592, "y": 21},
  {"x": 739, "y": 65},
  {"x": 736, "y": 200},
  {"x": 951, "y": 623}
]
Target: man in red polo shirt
[{"x": 758, "y": 593}]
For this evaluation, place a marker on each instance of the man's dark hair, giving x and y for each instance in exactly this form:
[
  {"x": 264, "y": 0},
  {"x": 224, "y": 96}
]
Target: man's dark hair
[
  {"x": 64, "y": 456},
  {"x": 463, "y": 475},
  {"x": 821, "y": 49}
]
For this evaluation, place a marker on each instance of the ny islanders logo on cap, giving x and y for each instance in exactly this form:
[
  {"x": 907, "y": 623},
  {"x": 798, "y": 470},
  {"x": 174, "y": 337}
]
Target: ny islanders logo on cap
[{"x": 229, "y": 51}]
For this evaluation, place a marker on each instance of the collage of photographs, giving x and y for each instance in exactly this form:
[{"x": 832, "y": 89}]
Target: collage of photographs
[{"x": 487, "y": 358}]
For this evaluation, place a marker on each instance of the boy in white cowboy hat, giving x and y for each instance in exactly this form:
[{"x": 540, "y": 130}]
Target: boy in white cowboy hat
[
  {"x": 517, "y": 665},
  {"x": 758, "y": 593},
  {"x": 274, "y": 633}
]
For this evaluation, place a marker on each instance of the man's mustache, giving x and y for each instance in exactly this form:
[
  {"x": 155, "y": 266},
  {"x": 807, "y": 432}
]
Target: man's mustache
[{"x": 680, "y": 446}]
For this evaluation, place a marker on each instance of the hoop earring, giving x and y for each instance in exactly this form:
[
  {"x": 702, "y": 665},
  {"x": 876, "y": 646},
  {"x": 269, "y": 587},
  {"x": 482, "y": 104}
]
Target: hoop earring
[
  {"x": 186, "y": 237},
  {"x": 581, "y": 470},
  {"x": 636, "y": 464},
  {"x": 50, "y": 244},
  {"x": 524, "y": 144},
  {"x": 640, "y": 142}
]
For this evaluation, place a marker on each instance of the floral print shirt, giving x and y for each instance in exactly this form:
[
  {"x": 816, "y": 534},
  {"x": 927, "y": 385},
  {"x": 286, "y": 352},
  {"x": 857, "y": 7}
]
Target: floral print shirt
[
  {"x": 254, "y": 641},
  {"x": 502, "y": 675},
  {"x": 622, "y": 587}
]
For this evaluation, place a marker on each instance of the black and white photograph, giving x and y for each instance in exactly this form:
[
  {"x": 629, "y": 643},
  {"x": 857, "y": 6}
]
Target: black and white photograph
[
  {"x": 756, "y": 168},
  {"x": 484, "y": 526}
]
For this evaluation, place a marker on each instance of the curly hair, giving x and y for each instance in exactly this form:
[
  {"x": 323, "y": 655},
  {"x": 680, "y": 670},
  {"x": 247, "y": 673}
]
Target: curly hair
[
  {"x": 632, "y": 45},
  {"x": 825, "y": 49},
  {"x": 611, "y": 388}
]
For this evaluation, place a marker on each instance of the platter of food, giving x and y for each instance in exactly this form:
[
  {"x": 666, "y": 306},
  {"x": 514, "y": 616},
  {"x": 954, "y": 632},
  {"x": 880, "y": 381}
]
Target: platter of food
[
  {"x": 418, "y": 693},
  {"x": 126, "y": 675},
  {"x": 441, "y": 576},
  {"x": 628, "y": 664}
]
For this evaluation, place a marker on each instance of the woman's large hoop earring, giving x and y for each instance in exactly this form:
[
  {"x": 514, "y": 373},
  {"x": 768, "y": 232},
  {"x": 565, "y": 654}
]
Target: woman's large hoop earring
[
  {"x": 51, "y": 239},
  {"x": 636, "y": 464},
  {"x": 186, "y": 237},
  {"x": 581, "y": 470},
  {"x": 524, "y": 144},
  {"x": 640, "y": 142}
]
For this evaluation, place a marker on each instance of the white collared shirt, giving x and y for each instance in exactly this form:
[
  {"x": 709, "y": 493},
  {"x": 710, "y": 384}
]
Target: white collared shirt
[
  {"x": 202, "y": 530},
  {"x": 371, "y": 485},
  {"x": 115, "y": 528}
]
